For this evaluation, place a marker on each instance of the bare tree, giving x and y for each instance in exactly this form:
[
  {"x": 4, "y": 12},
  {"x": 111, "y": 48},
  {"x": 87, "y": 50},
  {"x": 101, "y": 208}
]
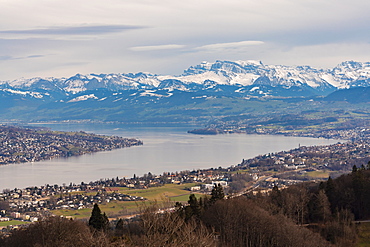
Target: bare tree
[{"x": 56, "y": 231}]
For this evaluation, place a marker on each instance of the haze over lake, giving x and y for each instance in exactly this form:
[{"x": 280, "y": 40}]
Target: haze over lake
[{"x": 165, "y": 149}]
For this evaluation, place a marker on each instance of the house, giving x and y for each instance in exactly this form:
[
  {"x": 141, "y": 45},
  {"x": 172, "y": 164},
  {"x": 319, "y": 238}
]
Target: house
[
  {"x": 195, "y": 188},
  {"x": 2, "y": 219},
  {"x": 111, "y": 190},
  {"x": 222, "y": 183}
]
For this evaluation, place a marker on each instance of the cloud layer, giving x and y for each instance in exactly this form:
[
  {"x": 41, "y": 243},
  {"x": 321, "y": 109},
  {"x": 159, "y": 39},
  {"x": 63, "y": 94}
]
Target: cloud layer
[
  {"x": 80, "y": 30},
  {"x": 225, "y": 47},
  {"x": 61, "y": 38},
  {"x": 156, "y": 47}
]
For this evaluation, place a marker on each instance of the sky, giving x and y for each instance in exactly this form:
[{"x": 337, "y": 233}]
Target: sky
[{"x": 60, "y": 38}]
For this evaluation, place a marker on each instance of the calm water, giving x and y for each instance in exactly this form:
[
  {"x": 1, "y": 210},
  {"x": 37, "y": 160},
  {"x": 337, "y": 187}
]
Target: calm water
[{"x": 165, "y": 149}]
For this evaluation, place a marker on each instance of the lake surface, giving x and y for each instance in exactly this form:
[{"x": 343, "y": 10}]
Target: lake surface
[{"x": 165, "y": 149}]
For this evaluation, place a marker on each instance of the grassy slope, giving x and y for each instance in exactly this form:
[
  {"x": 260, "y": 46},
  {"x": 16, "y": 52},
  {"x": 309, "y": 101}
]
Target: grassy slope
[
  {"x": 167, "y": 194},
  {"x": 13, "y": 223},
  {"x": 363, "y": 234}
]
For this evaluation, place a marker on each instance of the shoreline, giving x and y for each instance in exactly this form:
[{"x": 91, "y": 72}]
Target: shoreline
[
  {"x": 331, "y": 134},
  {"x": 180, "y": 170},
  {"x": 280, "y": 150},
  {"x": 27, "y": 144}
]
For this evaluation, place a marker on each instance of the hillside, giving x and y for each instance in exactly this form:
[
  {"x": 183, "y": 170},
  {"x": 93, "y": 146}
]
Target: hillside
[
  {"x": 305, "y": 214},
  {"x": 201, "y": 93},
  {"x": 352, "y": 95}
]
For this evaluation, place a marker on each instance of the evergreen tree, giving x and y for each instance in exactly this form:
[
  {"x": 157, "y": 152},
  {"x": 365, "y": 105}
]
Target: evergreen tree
[
  {"x": 330, "y": 192},
  {"x": 98, "y": 220},
  {"x": 119, "y": 227},
  {"x": 105, "y": 221},
  {"x": 217, "y": 193},
  {"x": 180, "y": 209},
  {"x": 276, "y": 200},
  {"x": 358, "y": 185},
  {"x": 194, "y": 204},
  {"x": 193, "y": 209}
]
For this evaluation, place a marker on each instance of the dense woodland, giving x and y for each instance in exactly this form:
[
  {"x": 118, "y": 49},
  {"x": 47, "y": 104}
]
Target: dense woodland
[{"x": 306, "y": 214}]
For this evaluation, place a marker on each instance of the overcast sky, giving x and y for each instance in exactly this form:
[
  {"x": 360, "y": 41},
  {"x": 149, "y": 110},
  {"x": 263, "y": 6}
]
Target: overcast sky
[{"x": 60, "y": 38}]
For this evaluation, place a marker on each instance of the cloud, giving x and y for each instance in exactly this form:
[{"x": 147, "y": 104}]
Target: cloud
[
  {"x": 229, "y": 46},
  {"x": 156, "y": 47},
  {"x": 35, "y": 56},
  {"x": 77, "y": 30},
  {"x": 115, "y": 36},
  {"x": 4, "y": 58}
]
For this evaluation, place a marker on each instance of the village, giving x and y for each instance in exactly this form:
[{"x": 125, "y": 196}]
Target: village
[
  {"x": 357, "y": 130},
  {"x": 30, "y": 145},
  {"x": 32, "y": 203},
  {"x": 257, "y": 175}
]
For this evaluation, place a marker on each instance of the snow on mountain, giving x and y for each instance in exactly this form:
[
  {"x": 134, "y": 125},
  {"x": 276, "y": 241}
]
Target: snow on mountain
[
  {"x": 244, "y": 79},
  {"x": 23, "y": 82},
  {"x": 297, "y": 76},
  {"x": 201, "y": 78},
  {"x": 247, "y": 74},
  {"x": 331, "y": 80},
  {"x": 26, "y": 93},
  {"x": 154, "y": 94},
  {"x": 351, "y": 74},
  {"x": 242, "y": 73},
  {"x": 83, "y": 98},
  {"x": 75, "y": 84}
]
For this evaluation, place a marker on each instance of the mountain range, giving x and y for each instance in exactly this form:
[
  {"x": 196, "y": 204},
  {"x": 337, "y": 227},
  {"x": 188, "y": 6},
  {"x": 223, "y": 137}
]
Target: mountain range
[
  {"x": 238, "y": 79},
  {"x": 247, "y": 77}
]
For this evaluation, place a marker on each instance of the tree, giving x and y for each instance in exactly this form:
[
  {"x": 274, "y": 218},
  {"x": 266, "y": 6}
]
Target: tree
[
  {"x": 359, "y": 188},
  {"x": 322, "y": 207},
  {"x": 98, "y": 220},
  {"x": 276, "y": 200},
  {"x": 193, "y": 209},
  {"x": 180, "y": 209},
  {"x": 243, "y": 222},
  {"x": 55, "y": 231},
  {"x": 217, "y": 193},
  {"x": 120, "y": 227}
]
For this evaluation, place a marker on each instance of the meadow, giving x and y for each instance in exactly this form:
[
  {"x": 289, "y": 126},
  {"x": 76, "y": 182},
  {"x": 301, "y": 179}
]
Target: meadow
[{"x": 165, "y": 195}]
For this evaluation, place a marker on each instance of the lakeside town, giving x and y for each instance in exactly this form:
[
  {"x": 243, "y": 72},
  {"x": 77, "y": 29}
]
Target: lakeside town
[
  {"x": 256, "y": 175},
  {"x": 356, "y": 133},
  {"x": 21, "y": 144}
]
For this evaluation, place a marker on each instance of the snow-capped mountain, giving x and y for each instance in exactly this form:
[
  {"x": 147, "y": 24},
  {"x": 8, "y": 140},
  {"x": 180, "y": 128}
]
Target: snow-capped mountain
[
  {"x": 202, "y": 92},
  {"x": 243, "y": 78},
  {"x": 248, "y": 73}
]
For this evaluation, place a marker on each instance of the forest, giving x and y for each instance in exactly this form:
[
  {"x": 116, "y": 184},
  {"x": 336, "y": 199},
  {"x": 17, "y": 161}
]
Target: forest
[{"x": 306, "y": 214}]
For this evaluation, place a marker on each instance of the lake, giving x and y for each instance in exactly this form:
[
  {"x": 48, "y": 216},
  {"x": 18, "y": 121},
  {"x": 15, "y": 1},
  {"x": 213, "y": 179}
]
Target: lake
[{"x": 165, "y": 149}]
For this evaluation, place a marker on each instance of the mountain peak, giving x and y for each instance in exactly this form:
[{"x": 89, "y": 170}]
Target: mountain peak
[
  {"x": 238, "y": 74},
  {"x": 245, "y": 63},
  {"x": 351, "y": 64}
]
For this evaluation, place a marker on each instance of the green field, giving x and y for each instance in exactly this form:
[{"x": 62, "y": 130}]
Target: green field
[
  {"x": 363, "y": 234},
  {"x": 318, "y": 174},
  {"x": 162, "y": 193},
  {"x": 241, "y": 171},
  {"x": 165, "y": 195},
  {"x": 13, "y": 223}
]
